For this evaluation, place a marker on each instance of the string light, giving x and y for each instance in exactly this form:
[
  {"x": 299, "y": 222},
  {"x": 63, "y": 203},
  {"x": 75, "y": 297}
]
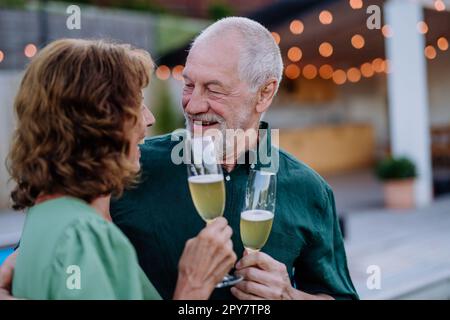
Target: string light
[
  {"x": 339, "y": 77},
  {"x": 30, "y": 50},
  {"x": 358, "y": 41},
  {"x": 276, "y": 37},
  {"x": 292, "y": 71},
  {"x": 326, "y": 49},
  {"x": 163, "y": 72},
  {"x": 422, "y": 27},
  {"x": 356, "y": 4},
  {"x": 325, "y": 17},
  {"x": 430, "y": 52},
  {"x": 387, "y": 66},
  {"x": 367, "y": 70},
  {"x": 177, "y": 72},
  {"x": 309, "y": 71},
  {"x": 2, "y": 55},
  {"x": 377, "y": 65},
  {"x": 296, "y": 27},
  {"x": 439, "y": 5},
  {"x": 387, "y": 32},
  {"x": 353, "y": 75},
  {"x": 326, "y": 71},
  {"x": 442, "y": 44},
  {"x": 294, "y": 54}
]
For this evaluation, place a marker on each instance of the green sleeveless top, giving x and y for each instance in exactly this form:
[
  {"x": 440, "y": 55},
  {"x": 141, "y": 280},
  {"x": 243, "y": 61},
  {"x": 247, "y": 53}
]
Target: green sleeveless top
[{"x": 68, "y": 251}]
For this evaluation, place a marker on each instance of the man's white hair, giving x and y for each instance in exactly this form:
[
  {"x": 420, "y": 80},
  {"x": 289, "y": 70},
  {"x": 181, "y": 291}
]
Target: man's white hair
[{"x": 260, "y": 57}]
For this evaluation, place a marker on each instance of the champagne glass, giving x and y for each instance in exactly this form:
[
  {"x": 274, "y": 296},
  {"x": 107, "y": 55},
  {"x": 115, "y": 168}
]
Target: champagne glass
[
  {"x": 259, "y": 209},
  {"x": 207, "y": 188}
]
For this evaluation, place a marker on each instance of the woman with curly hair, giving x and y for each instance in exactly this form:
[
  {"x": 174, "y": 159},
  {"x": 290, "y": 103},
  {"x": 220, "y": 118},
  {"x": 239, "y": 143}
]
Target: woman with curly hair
[{"x": 80, "y": 118}]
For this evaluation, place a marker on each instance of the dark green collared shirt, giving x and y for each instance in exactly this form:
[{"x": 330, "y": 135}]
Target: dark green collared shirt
[{"x": 158, "y": 217}]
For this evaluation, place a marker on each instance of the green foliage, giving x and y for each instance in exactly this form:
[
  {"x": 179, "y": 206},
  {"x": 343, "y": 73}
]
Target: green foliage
[
  {"x": 395, "y": 168},
  {"x": 167, "y": 117},
  {"x": 218, "y": 10},
  {"x": 19, "y": 4}
]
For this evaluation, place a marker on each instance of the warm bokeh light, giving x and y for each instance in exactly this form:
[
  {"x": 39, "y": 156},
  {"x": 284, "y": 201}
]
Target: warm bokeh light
[
  {"x": 358, "y": 41},
  {"x": 292, "y": 71},
  {"x": 378, "y": 65},
  {"x": 356, "y": 4},
  {"x": 422, "y": 27},
  {"x": 309, "y": 71},
  {"x": 442, "y": 43},
  {"x": 325, "y": 17},
  {"x": 386, "y": 30},
  {"x": 326, "y": 71},
  {"x": 177, "y": 72},
  {"x": 2, "y": 55},
  {"x": 386, "y": 66},
  {"x": 353, "y": 75},
  {"x": 339, "y": 76},
  {"x": 163, "y": 72},
  {"x": 30, "y": 50},
  {"x": 439, "y": 5},
  {"x": 367, "y": 70},
  {"x": 296, "y": 27},
  {"x": 430, "y": 52},
  {"x": 276, "y": 37},
  {"x": 294, "y": 54},
  {"x": 326, "y": 49}
]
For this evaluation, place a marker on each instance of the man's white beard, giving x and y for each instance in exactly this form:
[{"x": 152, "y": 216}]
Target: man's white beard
[{"x": 226, "y": 147}]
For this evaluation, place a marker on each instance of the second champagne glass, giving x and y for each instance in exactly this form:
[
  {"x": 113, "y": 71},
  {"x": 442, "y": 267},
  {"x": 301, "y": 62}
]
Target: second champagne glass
[{"x": 259, "y": 209}]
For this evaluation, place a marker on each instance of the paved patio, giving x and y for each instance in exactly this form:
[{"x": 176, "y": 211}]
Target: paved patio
[{"x": 411, "y": 248}]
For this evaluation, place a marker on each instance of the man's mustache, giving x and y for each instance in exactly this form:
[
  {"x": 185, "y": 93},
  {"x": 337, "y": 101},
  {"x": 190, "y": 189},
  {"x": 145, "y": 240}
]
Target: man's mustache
[{"x": 206, "y": 118}]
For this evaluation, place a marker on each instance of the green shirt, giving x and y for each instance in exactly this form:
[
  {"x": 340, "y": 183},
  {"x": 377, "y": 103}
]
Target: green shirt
[
  {"x": 158, "y": 217},
  {"x": 67, "y": 251}
]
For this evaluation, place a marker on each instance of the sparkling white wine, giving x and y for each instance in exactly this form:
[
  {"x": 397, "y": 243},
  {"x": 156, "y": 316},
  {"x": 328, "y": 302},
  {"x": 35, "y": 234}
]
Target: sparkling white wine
[
  {"x": 255, "y": 228},
  {"x": 208, "y": 195}
]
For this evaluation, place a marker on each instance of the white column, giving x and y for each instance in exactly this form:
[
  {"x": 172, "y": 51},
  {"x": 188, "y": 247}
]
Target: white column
[{"x": 408, "y": 92}]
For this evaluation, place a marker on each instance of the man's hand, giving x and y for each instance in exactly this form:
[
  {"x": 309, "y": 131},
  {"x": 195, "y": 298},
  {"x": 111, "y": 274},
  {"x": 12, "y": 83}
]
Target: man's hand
[
  {"x": 266, "y": 278},
  {"x": 6, "y": 276}
]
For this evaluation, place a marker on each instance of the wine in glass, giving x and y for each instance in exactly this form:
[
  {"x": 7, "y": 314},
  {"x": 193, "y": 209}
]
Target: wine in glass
[
  {"x": 259, "y": 209},
  {"x": 205, "y": 179}
]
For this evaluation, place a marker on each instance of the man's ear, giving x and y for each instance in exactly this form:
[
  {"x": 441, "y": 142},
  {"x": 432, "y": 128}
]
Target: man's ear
[{"x": 265, "y": 95}]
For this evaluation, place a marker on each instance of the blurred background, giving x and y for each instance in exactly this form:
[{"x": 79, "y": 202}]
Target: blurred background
[{"x": 364, "y": 100}]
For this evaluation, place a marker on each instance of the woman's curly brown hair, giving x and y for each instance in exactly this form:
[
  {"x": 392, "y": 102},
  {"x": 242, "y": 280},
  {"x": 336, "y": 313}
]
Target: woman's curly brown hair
[{"x": 74, "y": 105}]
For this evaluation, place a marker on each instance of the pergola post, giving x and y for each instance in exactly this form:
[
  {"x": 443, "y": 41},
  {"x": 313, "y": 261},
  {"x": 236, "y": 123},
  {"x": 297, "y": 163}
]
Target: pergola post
[{"x": 408, "y": 92}]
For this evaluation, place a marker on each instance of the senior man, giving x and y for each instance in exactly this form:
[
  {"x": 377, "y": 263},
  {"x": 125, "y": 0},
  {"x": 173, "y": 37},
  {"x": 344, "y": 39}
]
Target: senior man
[{"x": 231, "y": 76}]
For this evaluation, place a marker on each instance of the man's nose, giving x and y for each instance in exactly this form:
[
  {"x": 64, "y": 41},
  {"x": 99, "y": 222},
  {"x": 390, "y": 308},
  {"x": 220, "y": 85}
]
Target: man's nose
[
  {"x": 196, "y": 104},
  {"x": 149, "y": 118}
]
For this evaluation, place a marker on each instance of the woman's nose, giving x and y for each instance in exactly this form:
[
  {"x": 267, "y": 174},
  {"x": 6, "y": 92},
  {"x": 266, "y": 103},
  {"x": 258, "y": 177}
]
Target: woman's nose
[{"x": 149, "y": 119}]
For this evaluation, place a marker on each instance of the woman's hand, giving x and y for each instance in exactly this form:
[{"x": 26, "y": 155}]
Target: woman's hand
[
  {"x": 205, "y": 261},
  {"x": 6, "y": 277}
]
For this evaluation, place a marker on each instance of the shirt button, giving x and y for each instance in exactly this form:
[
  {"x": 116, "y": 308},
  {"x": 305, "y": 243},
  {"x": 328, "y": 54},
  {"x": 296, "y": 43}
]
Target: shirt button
[{"x": 227, "y": 178}]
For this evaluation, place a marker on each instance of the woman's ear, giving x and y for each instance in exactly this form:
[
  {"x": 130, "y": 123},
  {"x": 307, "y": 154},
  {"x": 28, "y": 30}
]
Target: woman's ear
[{"x": 265, "y": 95}]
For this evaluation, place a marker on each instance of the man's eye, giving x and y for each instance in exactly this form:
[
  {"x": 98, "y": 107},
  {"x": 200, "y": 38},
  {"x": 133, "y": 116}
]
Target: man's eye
[{"x": 215, "y": 92}]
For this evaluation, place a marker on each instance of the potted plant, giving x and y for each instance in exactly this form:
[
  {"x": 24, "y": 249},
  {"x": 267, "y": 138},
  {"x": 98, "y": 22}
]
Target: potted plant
[{"x": 398, "y": 175}]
